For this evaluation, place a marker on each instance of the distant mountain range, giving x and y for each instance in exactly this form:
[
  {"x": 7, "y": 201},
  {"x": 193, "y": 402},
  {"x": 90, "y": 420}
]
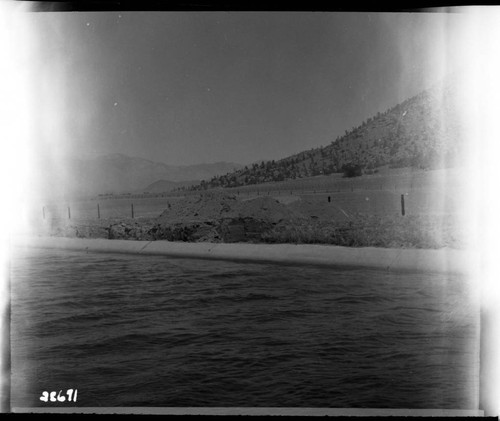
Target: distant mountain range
[
  {"x": 425, "y": 131},
  {"x": 117, "y": 173}
]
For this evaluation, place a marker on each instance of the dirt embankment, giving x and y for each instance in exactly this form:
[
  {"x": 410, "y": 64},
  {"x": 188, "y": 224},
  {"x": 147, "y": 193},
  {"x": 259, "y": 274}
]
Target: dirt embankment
[
  {"x": 214, "y": 217},
  {"x": 219, "y": 217}
]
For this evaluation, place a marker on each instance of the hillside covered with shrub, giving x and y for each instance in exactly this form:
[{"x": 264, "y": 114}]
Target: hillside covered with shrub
[{"x": 424, "y": 131}]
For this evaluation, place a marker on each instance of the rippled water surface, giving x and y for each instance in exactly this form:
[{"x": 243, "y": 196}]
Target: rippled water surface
[{"x": 129, "y": 330}]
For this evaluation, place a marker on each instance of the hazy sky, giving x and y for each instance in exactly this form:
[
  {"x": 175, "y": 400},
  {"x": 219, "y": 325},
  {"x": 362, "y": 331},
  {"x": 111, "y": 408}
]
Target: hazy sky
[{"x": 193, "y": 87}]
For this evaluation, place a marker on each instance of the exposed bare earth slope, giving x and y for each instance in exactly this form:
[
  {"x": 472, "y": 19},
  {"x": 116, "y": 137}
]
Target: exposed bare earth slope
[{"x": 219, "y": 217}]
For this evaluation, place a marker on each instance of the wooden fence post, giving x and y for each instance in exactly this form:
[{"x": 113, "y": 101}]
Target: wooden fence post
[
  {"x": 403, "y": 204},
  {"x": 69, "y": 213},
  {"x": 98, "y": 212},
  {"x": 132, "y": 209}
]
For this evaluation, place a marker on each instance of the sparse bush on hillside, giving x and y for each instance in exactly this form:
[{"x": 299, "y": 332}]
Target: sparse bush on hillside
[{"x": 352, "y": 170}]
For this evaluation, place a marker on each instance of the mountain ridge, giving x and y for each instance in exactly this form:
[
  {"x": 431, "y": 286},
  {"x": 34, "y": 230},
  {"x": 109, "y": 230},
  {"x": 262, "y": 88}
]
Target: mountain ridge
[{"x": 424, "y": 131}]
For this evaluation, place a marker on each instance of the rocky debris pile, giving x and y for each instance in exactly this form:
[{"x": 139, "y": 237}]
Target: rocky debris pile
[
  {"x": 126, "y": 229},
  {"x": 219, "y": 205},
  {"x": 220, "y": 217},
  {"x": 130, "y": 230},
  {"x": 213, "y": 217}
]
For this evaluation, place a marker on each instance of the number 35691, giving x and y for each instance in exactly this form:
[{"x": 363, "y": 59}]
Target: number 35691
[{"x": 59, "y": 397}]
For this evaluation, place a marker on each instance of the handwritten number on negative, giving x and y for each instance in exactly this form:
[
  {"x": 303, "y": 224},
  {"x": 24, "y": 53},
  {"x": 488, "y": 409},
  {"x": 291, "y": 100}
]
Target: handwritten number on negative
[{"x": 54, "y": 396}]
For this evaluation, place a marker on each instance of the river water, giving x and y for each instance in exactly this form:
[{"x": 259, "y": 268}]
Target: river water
[{"x": 128, "y": 330}]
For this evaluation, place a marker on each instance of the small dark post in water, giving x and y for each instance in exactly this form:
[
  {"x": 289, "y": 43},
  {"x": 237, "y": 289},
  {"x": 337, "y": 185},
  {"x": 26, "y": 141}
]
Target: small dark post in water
[
  {"x": 403, "y": 204},
  {"x": 43, "y": 212},
  {"x": 69, "y": 213},
  {"x": 329, "y": 199},
  {"x": 98, "y": 212},
  {"x": 132, "y": 209}
]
